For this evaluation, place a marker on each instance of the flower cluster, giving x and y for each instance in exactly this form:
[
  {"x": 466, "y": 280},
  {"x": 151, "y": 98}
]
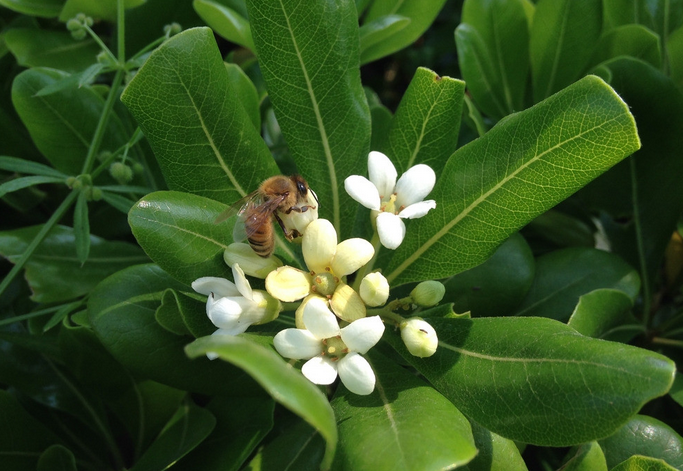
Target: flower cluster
[{"x": 336, "y": 324}]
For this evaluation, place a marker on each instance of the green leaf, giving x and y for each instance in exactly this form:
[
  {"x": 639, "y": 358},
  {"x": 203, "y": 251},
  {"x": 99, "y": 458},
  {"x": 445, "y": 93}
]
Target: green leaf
[
  {"x": 309, "y": 58},
  {"x": 587, "y": 457},
  {"x": 493, "y": 53},
  {"x": 239, "y": 430},
  {"x": 54, "y": 272},
  {"x": 563, "y": 36},
  {"x": 202, "y": 137},
  {"x": 606, "y": 314},
  {"x": 119, "y": 202},
  {"x": 561, "y": 229},
  {"x": 187, "y": 429},
  {"x": 121, "y": 310},
  {"x": 646, "y": 436},
  {"x": 389, "y": 425},
  {"x": 495, "y": 452},
  {"x": 57, "y": 458},
  {"x": 62, "y": 124},
  {"x": 225, "y": 21},
  {"x": 43, "y": 8},
  {"x": 676, "y": 391},
  {"x": 246, "y": 91},
  {"x": 549, "y": 385},
  {"x": 629, "y": 40},
  {"x": 675, "y": 51},
  {"x": 531, "y": 161},
  {"x": 379, "y": 31},
  {"x": 13, "y": 164},
  {"x": 168, "y": 314},
  {"x": 497, "y": 286},
  {"x": 82, "y": 228},
  {"x": 101, "y": 9},
  {"x": 426, "y": 125},
  {"x": 286, "y": 385},
  {"x": 422, "y": 14},
  {"x": 41, "y": 48},
  {"x": 25, "y": 182},
  {"x": 564, "y": 275},
  {"x": 643, "y": 463}
]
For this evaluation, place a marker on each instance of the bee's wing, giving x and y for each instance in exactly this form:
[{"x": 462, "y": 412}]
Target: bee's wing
[
  {"x": 237, "y": 207},
  {"x": 253, "y": 217}
]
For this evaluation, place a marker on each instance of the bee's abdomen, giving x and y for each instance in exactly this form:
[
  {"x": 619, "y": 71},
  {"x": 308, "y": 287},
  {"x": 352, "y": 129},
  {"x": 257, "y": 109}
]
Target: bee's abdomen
[{"x": 263, "y": 241}]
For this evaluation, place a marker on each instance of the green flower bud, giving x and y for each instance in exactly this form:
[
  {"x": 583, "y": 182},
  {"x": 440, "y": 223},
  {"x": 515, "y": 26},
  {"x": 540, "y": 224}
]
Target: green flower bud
[
  {"x": 121, "y": 172},
  {"x": 95, "y": 194},
  {"x": 249, "y": 261},
  {"x": 374, "y": 289},
  {"x": 428, "y": 293},
  {"x": 172, "y": 29},
  {"x": 138, "y": 169},
  {"x": 70, "y": 182},
  {"x": 79, "y": 34},
  {"x": 80, "y": 17},
  {"x": 420, "y": 337},
  {"x": 73, "y": 24},
  {"x": 104, "y": 155}
]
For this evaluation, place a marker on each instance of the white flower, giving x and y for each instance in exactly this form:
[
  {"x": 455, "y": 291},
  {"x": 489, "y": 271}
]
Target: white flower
[
  {"x": 328, "y": 263},
  {"x": 233, "y": 307},
  {"x": 374, "y": 289},
  {"x": 392, "y": 201},
  {"x": 331, "y": 350},
  {"x": 420, "y": 337}
]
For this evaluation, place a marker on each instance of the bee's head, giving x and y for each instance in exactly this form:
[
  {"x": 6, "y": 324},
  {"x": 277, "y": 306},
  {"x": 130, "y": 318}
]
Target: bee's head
[{"x": 301, "y": 185}]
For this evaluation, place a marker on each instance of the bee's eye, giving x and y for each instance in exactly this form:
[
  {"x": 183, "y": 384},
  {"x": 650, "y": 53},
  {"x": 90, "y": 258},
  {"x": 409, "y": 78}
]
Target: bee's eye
[{"x": 301, "y": 187}]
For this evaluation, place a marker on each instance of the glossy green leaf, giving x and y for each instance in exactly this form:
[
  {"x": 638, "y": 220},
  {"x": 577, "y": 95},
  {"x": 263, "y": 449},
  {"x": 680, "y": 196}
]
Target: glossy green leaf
[
  {"x": 497, "y": 286},
  {"x": 422, "y": 14},
  {"x": 379, "y": 31},
  {"x": 44, "y": 8},
  {"x": 121, "y": 310},
  {"x": 54, "y": 272},
  {"x": 239, "y": 430},
  {"x": 202, "y": 137},
  {"x": 587, "y": 457},
  {"x": 493, "y": 53},
  {"x": 62, "y": 124},
  {"x": 13, "y": 164},
  {"x": 426, "y": 124},
  {"x": 225, "y": 21},
  {"x": 530, "y": 162},
  {"x": 548, "y": 384},
  {"x": 56, "y": 458},
  {"x": 82, "y": 228},
  {"x": 25, "y": 182},
  {"x": 561, "y": 230},
  {"x": 646, "y": 436},
  {"x": 41, "y": 48},
  {"x": 640, "y": 232},
  {"x": 661, "y": 16},
  {"x": 22, "y": 437},
  {"x": 676, "y": 391},
  {"x": 564, "y": 275},
  {"x": 495, "y": 453},
  {"x": 563, "y": 36},
  {"x": 309, "y": 58},
  {"x": 606, "y": 314},
  {"x": 404, "y": 424},
  {"x": 186, "y": 429},
  {"x": 286, "y": 385},
  {"x": 168, "y": 314},
  {"x": 629, "y": 40},
  {"x": 101, "y": 9},
  {"x": 246, "y": 91},
  {"x": 643, "y": 463}
]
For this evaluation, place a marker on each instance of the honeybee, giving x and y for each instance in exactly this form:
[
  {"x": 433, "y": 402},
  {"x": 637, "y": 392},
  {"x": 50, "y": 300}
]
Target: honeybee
[{"x": 288, "y": 200}]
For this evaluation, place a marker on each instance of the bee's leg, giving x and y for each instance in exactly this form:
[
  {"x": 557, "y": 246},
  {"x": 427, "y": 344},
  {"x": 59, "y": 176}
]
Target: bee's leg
[{"x": 290, "y": 235}]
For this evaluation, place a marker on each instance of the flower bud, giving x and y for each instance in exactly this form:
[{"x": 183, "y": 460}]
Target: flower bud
[
  {"x": 374, "y": 289},
  {"x": 270, "y": 307},
  {"x": 346, "y": 303},
  {"x": 172, "y": 29},
  {"x": 249, "y": 261},
  {"x": 79, "y": 34},
  {"x": 95, "y": 193},
  {"x": 420, "y": 337},
  {"x": 73, "y": 24},
  {"x": 428, "y": 293},
  {"x": 121, "y": 172},
  {"x": 138, "y": 169}
]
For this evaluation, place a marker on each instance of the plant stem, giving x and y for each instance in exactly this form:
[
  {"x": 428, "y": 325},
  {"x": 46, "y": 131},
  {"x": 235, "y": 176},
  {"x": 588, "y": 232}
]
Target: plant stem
[
  {"x": 121, "y": 31},
  {"x": 54, "y": 219},
  {"x": 31, "y": 315},
  {"x": 647, "y": 295},
  {"x": 669, "y": 342}
]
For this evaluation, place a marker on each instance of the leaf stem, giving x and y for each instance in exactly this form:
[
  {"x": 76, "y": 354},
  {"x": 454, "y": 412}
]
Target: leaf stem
[
  {"x": 668, "y": 342},
  {"x": 33, "y": 314},
  {"x": 647, "y": 295},
  {"x": 56, "y": 216}
]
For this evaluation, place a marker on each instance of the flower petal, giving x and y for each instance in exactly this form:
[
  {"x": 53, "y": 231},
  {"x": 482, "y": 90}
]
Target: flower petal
[
  {"x": 225, "y": 312},
  {"x": 297, "y": 344},
  {"x": 319, "y": 320},
  {"x": 414, "y": 185},
  {"x": 391, "y": 230},
  {"x": 241, "y": 282},
  {"x": 220, "y": 287},
  {"x": 288, "y": 284},
  {"x": 319, "y": 245},
  {"x": 363, "y": 334},
  {"x": 320, "y": 370},
  {"x": 347, "y": 304},
  {"x": 362, "y": 190},
  {"x": 251, "y": 263},
  {"x": 374, "y": 289},
  {"x": 356, "y": 374},
  {"x": 382, "y": 174},
  {"x": 417, "y": 210},
  {"x": 351, "y": 255}
]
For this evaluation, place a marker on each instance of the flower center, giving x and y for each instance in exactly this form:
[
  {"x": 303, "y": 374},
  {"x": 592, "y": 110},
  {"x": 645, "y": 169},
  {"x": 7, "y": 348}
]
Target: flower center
[
  {"x": 389, "y": 206},
  {"x": 335, "y": 348},
  {"x": 324, "y": 283}
]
